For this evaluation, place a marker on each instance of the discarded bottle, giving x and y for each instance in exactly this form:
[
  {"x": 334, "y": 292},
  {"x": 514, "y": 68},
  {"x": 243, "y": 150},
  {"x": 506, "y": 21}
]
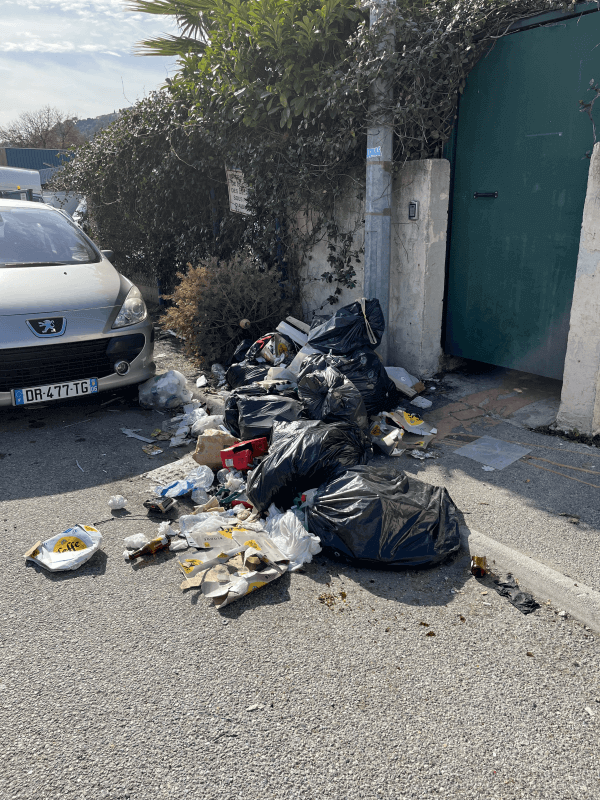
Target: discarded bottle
[{"x": 153, "y": 546}]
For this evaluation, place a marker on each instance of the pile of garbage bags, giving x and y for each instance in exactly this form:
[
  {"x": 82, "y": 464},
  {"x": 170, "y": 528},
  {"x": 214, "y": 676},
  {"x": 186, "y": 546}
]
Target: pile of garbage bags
[{"x": 293, "y": 457}]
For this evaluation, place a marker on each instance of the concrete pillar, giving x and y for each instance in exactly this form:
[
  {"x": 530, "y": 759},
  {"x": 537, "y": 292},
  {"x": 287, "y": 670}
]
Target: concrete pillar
[
  {"x": 580, "y": 399},
  {"x": 418, "y": 266}
]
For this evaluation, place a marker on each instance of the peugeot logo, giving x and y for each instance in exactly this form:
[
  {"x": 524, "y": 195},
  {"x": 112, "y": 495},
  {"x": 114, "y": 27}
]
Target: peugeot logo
[{"x": 47, "y": 326}]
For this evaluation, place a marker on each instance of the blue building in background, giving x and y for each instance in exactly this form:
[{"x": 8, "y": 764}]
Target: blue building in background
[{"x": 45, "y": 161}]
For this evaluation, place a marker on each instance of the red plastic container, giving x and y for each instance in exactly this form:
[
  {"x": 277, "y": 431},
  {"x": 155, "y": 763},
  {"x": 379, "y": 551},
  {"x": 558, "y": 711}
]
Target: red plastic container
[{"x": 242, "y": 455}]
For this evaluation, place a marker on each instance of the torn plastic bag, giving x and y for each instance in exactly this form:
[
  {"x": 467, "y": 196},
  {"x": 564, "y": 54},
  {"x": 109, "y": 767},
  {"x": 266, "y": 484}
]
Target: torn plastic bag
[
  {"x": 250, "y": 415},
  {"x": 295, "y": 542},
  {"x": 273, "y": 348},
  {"x": 243, "y": 374},
  {"x": 381, "y": 518},
  {"x": 168, "y": 390},
  {"x": 305, "y": 461},
  {"x": 522, "y": 600},
  {"x": 330, "y": 396},
  {"x": 360, "y": 324},
  {"x": 364, "y": 369}
]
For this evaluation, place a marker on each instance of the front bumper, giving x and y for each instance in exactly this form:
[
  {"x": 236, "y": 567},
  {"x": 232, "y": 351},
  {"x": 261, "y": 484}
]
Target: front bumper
[{"x": 93, "y": 357}]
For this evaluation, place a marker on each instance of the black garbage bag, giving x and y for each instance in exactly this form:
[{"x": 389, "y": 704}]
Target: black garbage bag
[
  {"x": 330, "y": 396},
  {"x": 365, "y": 370},
  {"x": 243, "y": 374},
  {"x": 283, "y": 430},
  {"x": 349, "y": 328},
  {"x": 305, "y": 461},
  {"x": 251, "y": 414},
  {"x": 240, "y": 351},
  {"x": 384, "y": 519}
]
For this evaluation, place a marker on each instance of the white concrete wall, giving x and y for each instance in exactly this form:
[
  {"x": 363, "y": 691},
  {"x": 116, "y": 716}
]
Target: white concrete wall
[
  {"x": 417, "y": 271},
  {"x": 580, "y": 399},
  {"x": 349, "y": 215}
]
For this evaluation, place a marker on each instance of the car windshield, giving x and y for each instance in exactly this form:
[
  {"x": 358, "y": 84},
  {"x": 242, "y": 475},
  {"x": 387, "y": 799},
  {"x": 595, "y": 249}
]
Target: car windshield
[{"x": 37, "y": 237}]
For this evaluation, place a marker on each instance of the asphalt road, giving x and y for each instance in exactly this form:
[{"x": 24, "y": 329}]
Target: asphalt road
[{"x": 114, "y": 684}]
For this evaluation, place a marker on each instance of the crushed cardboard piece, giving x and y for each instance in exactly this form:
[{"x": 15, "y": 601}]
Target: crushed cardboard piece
[{"x": 209, "y": 446}]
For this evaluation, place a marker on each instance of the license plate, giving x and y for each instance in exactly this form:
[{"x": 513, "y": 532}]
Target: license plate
[{"x": 54, "y": 391}]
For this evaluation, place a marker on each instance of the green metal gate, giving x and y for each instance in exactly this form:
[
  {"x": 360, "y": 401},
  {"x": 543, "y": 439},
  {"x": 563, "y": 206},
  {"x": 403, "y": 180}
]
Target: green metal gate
[{"x": 519, "y": 183}]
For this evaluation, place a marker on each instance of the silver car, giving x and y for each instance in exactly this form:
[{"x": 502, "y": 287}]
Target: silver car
[{"x": 70, "y": 324}]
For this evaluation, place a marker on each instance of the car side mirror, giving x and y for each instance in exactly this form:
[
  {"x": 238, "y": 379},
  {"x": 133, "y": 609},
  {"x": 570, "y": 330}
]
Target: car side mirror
[{"x": 108, "y": 254}]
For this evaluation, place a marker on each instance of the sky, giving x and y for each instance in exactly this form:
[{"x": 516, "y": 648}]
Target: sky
[{"x": 76, "y": 55}]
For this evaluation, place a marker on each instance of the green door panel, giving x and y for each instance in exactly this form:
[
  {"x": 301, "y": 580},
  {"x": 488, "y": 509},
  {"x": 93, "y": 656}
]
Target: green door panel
[{"x": 520, "y": 133}]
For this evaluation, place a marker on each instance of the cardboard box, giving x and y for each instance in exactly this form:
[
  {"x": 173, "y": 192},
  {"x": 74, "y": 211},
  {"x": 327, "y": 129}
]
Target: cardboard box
[{"x": 209, "y": 446}]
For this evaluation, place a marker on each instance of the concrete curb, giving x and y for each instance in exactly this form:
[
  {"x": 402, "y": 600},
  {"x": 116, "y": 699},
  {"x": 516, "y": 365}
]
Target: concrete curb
[{"x": 579, "y": 600}]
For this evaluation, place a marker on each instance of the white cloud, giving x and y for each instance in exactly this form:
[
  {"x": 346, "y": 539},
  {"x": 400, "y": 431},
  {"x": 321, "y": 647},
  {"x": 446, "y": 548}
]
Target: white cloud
[
  {"x": 62, "y": 26},
  {"x": 85, "y": 85},
  {"x": 76, "y": 55}
]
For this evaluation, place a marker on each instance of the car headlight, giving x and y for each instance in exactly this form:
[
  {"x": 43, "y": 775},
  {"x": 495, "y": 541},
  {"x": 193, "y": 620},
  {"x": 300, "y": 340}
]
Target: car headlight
[{"x": 133, "y": 309}]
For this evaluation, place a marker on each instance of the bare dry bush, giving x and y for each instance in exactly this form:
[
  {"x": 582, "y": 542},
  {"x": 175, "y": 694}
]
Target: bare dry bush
[{"x": 212, "y": 299}]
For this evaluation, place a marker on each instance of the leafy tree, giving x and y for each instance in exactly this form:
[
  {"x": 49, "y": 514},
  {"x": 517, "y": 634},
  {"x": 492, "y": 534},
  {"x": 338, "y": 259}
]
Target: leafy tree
[{"x": 47, "y": 128}]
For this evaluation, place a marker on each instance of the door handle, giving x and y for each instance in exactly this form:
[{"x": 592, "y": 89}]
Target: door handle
[{"x": 485, "y": 194}]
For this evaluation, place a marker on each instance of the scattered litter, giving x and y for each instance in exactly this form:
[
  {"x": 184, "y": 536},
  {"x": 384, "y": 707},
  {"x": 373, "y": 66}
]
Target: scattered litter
[
  {"x": 294, "y": 541},
  {"x": 420, "y": 456},
  {"x": 199, "y": 478},
  {"x": 590, "y": 711},
  {"x": 221, "y": 373},
  {"x": 116, "y": 502},
  {"x": 151, "y": 547},
  {"x": 79, "y": 465},
  {"x": 421, "y": 402},
  {"x": 494, "y": 453},
  {"x": 152, "y": 449},
  {"x": 178, "y": 545},
  {"x": 411, "y": 423},
  {"x": 161, "y": 506},
  {"x": 574, "y": 519},
  {"x": 68, "y": 550},
  {"x": 201, "y": 381},
  {"x": 489, "y": 469},
  {"x": 486, "y": 604},
  {"x": 509, "y": 588},
  {"x": 160, "y": 435},
  {"x": 173, "y": 333},
  {"x": 135, "y": 541},
  {"x": 168, "y": 390},
  {"x": 479, "y": 566},
  {"x": 131, "y": 434},
  {"x": 403, "y": 380},
  {"x": 255, "y": 707}
]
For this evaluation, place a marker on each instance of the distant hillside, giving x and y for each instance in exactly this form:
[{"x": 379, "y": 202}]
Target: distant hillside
[{"x": 90, "y": 127}]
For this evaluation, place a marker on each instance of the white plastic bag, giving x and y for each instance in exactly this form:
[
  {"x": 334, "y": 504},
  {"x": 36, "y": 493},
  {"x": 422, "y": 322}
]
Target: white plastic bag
[
  {"x": 202, "y": 477},
  {"x": 135, "y": 541},
  {"x": 117, "y": 502},
  {"x": 294, "y": 541},
  {"x": 68, "y": 550},
  {"x": 168, "y": 390},
  {"x": 205, "y": 423}
]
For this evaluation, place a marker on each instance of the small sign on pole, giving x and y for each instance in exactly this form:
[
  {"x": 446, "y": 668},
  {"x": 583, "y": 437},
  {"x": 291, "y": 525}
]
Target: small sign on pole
[{"x": 238, "y": 191}]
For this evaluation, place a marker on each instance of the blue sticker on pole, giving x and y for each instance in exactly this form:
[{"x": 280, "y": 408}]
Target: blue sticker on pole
[{"x": 373, "y": 152}]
